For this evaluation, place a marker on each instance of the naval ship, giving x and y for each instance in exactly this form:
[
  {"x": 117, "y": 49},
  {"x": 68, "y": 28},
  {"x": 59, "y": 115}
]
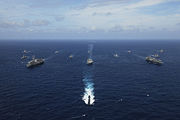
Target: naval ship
[
  {"x": 71, "y": 56},
  {"x": 89, "y": 61},
  {"x": 34, "y": 62},
  {"x": 56, "y": 52},
  {"x": 129, "y": 51},
  {"x": 116, "y": 55},
  {"x": 153, "y": 60}
]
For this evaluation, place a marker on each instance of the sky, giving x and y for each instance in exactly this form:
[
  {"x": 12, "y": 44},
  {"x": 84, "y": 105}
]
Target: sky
[{"x": 90, "y": 19}]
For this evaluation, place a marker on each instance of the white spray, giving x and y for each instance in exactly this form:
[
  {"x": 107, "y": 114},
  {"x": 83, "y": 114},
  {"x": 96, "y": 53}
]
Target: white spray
[{"x": 88, "y": 97}]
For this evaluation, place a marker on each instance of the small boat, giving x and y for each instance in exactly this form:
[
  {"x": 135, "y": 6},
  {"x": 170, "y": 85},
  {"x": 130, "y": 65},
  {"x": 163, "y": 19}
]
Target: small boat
[
  {"x": 161, "y": 51},
  {"x": 25, "y": 51},
  {"x": 56, "y": 52},
  {"x": 116, "y": 55},
  {"x": 71, "y": 56},
  {"x": 23, "y": 57},
  {"x": 89, "y": 61},
  {"x": 129, "y": 51}
]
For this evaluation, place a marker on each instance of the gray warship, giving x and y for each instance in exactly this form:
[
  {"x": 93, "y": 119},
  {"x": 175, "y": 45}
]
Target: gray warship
[
  {"x": 153, "y": 60},
  {"x": 34, "y": 62}
]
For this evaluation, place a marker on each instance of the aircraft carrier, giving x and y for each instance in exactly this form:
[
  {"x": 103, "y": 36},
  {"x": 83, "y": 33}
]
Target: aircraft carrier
[
  {"x": 34, "y": 62},
  {"x": 153, "y": 60}
]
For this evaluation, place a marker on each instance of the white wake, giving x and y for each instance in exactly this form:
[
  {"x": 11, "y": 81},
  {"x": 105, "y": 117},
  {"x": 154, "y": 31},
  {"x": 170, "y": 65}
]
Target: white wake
[{"x": 88, "y": 97}]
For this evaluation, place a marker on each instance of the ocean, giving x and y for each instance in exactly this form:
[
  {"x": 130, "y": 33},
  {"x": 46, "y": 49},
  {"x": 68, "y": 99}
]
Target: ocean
[{"x": 113, "y": 88}]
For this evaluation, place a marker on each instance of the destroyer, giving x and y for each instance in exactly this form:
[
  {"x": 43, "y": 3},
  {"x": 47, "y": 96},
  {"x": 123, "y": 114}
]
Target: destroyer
[
  {"x": 35, "y": 62},
  {"x": 153, "y": 60},
  {"x": 89, "y": 61}
]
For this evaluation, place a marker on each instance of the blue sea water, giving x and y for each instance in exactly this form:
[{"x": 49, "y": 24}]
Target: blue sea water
[{"x": 122, "y": 88}]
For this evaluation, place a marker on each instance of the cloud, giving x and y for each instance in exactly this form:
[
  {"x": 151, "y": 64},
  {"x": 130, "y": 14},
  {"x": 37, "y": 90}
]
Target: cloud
[
  {"x": 90, "y": 17},
  {"x": 95, "y": 3},
  {"x": 40, "y": 23},
  {"x": 130, "y": 3},
  {"x": 146, "y": 3},
  {"x": 23, "y": 24},
  {"x": 45, "y": 3},
  {"x": 102, "y": 14},
  {"x": 59, "y": 18},
  {"x": 10, "y": 24},
  {"x": 126, "y": 17},
  {"x": 116, "y": 28},
  {"x": 178, "y": 24}
]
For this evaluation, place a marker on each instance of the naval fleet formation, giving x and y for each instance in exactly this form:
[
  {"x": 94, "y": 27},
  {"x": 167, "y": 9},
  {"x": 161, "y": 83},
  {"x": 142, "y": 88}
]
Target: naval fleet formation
[{"x": 152, "y": 59}]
